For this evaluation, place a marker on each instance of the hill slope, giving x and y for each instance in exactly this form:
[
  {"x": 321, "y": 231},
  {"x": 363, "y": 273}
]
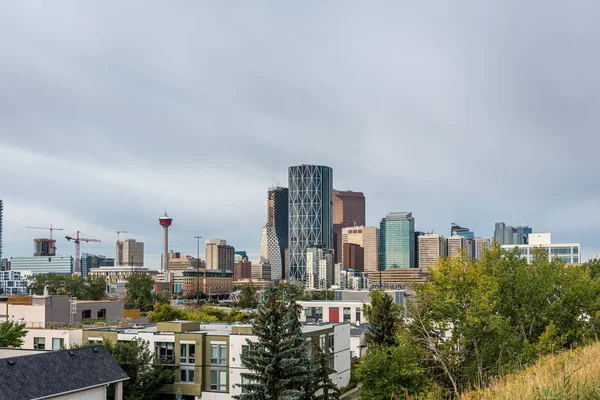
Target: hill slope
[{"x": 570, "y": 375}]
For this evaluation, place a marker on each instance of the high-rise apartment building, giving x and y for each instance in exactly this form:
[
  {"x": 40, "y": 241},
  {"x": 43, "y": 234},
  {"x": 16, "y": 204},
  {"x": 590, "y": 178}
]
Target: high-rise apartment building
[
  {"x": 506, "y": 234},
  {"x": 431, "y": 248},
  {"x": 130, "y": 253},
  {"x": 397, "y": 241},
  {"x": 366, "y": 237},
  {"x": 275, "y": 232},
  {"x": 320, "y": 268},
  {"x": 219, "y": 255},
  {"x": 480, "y": 244},
  {"x": 458, "y": 245},
  {"x": 43, "y": 247},
  {"x": 348, "y": 210},
  {"x": 310, "y": 213}
]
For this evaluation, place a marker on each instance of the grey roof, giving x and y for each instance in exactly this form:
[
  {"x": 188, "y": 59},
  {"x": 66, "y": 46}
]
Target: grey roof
[
  {"x": 359, "y": 330},
  {"x": 46, "y": 374}
]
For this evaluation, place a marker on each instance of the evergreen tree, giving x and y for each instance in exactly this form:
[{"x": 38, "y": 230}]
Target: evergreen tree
[
  {"x": 324, "y": 388},
  {"x": 279, "y": 363},
  {"x": 383, "y": 316}
]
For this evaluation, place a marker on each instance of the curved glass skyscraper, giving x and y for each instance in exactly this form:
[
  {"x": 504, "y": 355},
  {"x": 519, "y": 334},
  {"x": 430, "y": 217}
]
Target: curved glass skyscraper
[{"x": 310, "y": 213}]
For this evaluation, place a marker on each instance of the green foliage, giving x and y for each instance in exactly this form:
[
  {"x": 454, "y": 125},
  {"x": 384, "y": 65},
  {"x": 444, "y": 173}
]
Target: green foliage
[
  {"x": 278, "y": 362},
  {"x": 248, "y": 296},
  {"x": 164, "y": 312},
  {"x": 478, "y": 320},
  {"x": 387, "y": 370},
  {"x": 139, "y": 292},
  {"x": 383, "y": 316},
  {"x": 163, "y": 297},
  {"x": 12, "y": 334},
  {"x": 322, "y": 383},
  {"x": 147, "y": 374},
  {"x": 88, "y": 288}
]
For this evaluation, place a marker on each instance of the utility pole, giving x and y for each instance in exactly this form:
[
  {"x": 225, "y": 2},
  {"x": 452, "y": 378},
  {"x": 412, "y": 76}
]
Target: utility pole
[{"x": 198, "y": 270}]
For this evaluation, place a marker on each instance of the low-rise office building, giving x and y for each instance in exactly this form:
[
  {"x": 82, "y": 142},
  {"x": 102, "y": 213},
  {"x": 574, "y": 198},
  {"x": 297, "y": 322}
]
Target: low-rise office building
[
  {"x": 570, "y": 253},
  {"x": 117, "y": 274},
  {"x": 60, "y": 265},
  {"x": 58, "y": 311},
  {"x": 331, "y": 311},
  {"x": 207, "y": 359}
]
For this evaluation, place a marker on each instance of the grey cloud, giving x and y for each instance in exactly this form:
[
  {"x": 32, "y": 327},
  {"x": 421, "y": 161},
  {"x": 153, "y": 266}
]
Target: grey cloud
[{"x": 467, "y": 111}]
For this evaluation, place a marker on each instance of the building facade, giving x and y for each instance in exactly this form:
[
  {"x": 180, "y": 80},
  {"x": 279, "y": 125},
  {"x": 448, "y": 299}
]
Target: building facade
[
  {"x": 480, "y": 245},
  {"x": 348, "y": 210},
  {"x": 366, "y": 237},
  {"x": 211, "y": 283},
  {"x": 355, "y": 280},
  {"x": 397, "y": 241},
  {"x": 275, "y": 233},
  {"x": 320, "y": 268},
  {"x": 219, "y": 255},
  {"x": 90, "y": 261},
  {"x": 431, "y": 248},
  {"x": 60, "y": 265},
  {"x": 207, "y": 357},
  {"x": 12, "y": 283},
  {"x": 310, "y": 213},
  {"x": 130, "y": 253},
  {"x": 570, "y": 253},
  {"x": 117, "y": 274},
  {"x": 1, "y": 216},
  {"x": 458, "y": 245},
  {"x": 43, "y": 247},
  {"x": 506, "y": 234}
]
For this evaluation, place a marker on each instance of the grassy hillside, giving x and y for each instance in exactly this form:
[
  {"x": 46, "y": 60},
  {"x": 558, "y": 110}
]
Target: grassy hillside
[{"x": 569, "y": 375}]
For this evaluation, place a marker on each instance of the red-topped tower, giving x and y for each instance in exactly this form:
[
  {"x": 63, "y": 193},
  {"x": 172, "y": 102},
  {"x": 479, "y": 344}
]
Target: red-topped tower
[{"x": 165, "y": 222}]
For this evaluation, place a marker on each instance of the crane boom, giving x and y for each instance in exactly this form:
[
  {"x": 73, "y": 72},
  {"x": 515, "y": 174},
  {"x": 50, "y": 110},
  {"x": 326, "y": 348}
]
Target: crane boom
[
  {"x": 49, "y": 229},
  {"x": 77, "y": 239}
]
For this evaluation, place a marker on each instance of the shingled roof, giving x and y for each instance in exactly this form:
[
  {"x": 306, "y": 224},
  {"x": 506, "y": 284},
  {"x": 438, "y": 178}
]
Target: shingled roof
[{"x": 38, "y": 376}]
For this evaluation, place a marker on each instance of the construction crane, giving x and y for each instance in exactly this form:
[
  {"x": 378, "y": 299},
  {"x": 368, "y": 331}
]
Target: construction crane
[
  {"x": 48, "y": 229},
  {"x": 77, "y": 239}
]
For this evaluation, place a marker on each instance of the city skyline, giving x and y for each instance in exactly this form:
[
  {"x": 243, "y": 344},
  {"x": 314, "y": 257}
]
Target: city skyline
[{"x": 103, "y": 129}]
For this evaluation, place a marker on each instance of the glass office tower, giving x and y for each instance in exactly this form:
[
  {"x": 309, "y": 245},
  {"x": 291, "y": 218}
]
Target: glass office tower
[
  {"x": 310, "y": 213},
  {"x": 397, "y": 241}
]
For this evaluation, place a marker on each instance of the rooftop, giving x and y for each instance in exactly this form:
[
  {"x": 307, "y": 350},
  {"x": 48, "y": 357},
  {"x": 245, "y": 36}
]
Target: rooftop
[{"x": 46, "y": 374}]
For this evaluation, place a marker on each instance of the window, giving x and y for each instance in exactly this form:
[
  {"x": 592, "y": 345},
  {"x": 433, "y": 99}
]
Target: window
[
  {"x": 358, "y": 315},
  {"x": 187, "y": 375},
  {"x": 218, "y": 380},
  {"x": 346, "y": 314},
  {"x": 331, "y": 342},
  {"x": 245, "y": 349},
  {"x": 218, "y": 354},
  {"x": 39, "y": 343},
  {"x": 165, "y": 351},
  {"x": 57, "y": 343},
  {"x": 331, "y": 361},
  {"x": 322, "y": 343},
  {"x": 187, "y": 354},
  {"x": 102, "y": 313},
  {"x": 86, "y": 314}
]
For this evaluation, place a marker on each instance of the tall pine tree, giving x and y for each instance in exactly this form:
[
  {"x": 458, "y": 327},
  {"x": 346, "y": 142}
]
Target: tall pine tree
[
  {"x": 278, "y": 362},
  {"x": 324, "y": 387}
]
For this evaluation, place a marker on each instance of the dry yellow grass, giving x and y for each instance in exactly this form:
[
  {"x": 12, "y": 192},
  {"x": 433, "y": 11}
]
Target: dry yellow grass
[{"x": 570, "y": 375}]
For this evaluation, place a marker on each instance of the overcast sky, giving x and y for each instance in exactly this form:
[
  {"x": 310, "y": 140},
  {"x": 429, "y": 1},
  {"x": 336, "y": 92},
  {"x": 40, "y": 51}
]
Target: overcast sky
[{"x": 465, "y": 111}]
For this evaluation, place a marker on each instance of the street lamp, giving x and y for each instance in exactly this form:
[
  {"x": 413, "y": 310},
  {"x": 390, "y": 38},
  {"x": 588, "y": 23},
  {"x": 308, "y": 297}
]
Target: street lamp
[{"x": 198, "y": 269}]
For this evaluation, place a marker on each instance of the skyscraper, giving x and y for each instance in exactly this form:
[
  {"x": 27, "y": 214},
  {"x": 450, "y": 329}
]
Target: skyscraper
[
  {"x": 458, "y": 230},
  {"x": 506, "y": 234},
  {"x": 219, "y": 255},
  {"x": 130, "y": 253},
  {"x": 431, "y": 248},
  {"x": 460, "y": 244},
  {"x": 310, "y": 213},
  {"x": 480, "y": 244},
  {"x": 368, "y": 238},
  {"x": 397, "y": 241},
  {"x": 348, "y": 210},
  {"x": 320, "y": 268},
  {"x": 275, "y": 232}
]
